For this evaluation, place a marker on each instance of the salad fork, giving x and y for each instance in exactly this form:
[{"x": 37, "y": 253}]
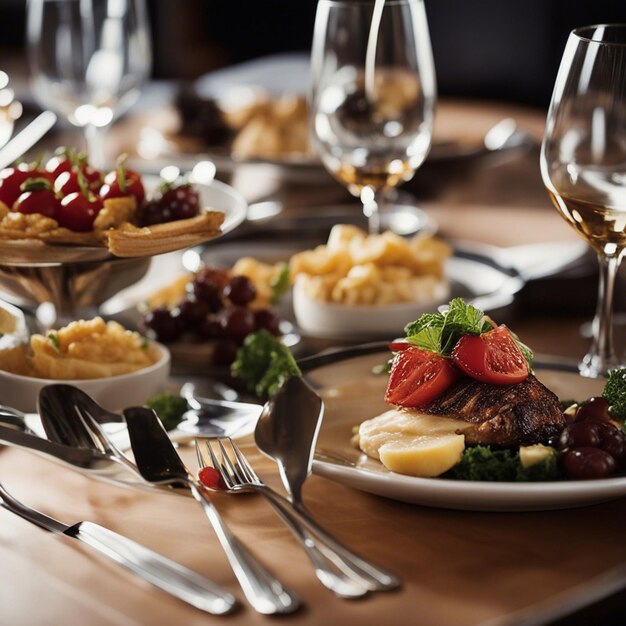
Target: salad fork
[{"x": 322, "y": 549}]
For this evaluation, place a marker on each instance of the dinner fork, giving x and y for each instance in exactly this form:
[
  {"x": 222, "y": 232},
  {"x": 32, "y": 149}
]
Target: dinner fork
[{"x": 239, "y": 476}]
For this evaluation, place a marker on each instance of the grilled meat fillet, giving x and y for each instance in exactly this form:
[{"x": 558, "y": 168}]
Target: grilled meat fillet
[{"x": 520, "y": 414}]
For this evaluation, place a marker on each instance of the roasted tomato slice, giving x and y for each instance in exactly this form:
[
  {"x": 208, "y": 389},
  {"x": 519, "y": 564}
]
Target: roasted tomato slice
[
  {"x": 492, "y": 357},
  {"x": 418, "y": 377}
]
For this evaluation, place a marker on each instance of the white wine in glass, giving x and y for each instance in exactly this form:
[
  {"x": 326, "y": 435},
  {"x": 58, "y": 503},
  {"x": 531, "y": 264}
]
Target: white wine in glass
[
  {"x": 583, "y": 163},
  {"x": 373, "y": 94},
  {"x": 89, "y": 60}
]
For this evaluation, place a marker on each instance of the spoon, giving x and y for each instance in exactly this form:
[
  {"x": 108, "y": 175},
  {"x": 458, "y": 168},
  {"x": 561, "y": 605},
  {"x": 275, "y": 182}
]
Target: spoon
[
  {"x": 287, "y": 432},
  {"x": 210, "y": 417}
]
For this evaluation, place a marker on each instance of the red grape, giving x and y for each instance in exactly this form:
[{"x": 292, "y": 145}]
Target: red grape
[
  {"x": 163, "y": 323},
  {"x": 585, "y": 463},
  {"x": 240, "y": 290},
  {"x": 266, "y": 319},
  {"x": 191, "y": 311},
  {"x": 213, "y": 276},
  {"x": 579, "y": 434},
  {"x": 613, "y": 441},
  {"x": 178, "y": 203},
  {"x": 236, "y": 322},
  {"x": 596, "y": 408},
  {"x": 208, "y": 293}
]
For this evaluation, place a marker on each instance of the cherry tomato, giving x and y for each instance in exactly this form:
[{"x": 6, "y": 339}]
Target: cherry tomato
[
  {"x": 211, "y": 478},
  {"x": 122, "y": 183},
  {"x": 38, "y": 197},
  {"x": 76, "y": 180},
  {"x": 418, "y": 377},
  {"x": 492, "y": 357},
  {"x": 59, "y": 163},
  {"x": 11, "y": 180},
  {"x": 77, "y": 212}
]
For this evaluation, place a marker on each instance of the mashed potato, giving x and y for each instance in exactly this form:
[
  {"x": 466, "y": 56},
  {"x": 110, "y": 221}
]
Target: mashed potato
[{"x": 82, "y": 350}]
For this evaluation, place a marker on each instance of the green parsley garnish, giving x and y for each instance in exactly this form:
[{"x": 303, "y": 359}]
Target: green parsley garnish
[
  {"x": 54, "y": 340},
  {"x": 440, "y": 332},
  {"x": 264, "y": 363},
  {"x": 280, "y": 283}
]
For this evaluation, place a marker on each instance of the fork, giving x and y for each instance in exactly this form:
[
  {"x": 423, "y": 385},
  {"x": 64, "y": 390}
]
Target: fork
[{"x": 239, "y": 476}]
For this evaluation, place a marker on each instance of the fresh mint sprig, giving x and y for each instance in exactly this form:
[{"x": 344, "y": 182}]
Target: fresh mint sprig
[{"x": 440, "y": 332}]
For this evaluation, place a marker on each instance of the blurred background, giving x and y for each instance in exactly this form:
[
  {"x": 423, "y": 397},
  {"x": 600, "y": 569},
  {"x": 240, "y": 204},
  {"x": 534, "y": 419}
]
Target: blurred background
[{"x": 492, "y": 49}]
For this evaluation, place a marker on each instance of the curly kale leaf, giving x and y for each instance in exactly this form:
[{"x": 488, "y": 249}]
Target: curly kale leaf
[
  {"x": 485, "y": 463},
  {"x": 169, "y": 408}
]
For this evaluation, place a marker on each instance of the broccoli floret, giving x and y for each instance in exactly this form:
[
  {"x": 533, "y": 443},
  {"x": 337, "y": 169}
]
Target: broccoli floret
[
  {"x": 484, "y": 463},
  {"x": 169, "y": 408},
  {"x": 264, "y": 363},
  {"x": 615, "y": 393}
]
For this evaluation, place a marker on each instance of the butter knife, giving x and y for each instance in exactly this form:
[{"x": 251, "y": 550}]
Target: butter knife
[
  {"x": 27, "y": 138},
  {"x": 151, "y": 566}
]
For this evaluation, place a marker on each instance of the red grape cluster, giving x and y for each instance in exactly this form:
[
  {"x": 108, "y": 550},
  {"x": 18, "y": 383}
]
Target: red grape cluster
[
  {"x": 215, "y": 308},
  {"x": 592, "y": 446},
  {"x": 70, "y": 191}
]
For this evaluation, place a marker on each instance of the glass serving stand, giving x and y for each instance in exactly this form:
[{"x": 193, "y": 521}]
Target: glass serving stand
[{"x": 75, "y": 286}]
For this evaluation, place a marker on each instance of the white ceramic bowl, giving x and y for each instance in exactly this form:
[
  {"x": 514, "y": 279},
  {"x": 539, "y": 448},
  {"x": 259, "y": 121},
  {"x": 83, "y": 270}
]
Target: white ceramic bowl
[
  {"x": 115, "y": 392},
  {"x": 341, "y": 321}
]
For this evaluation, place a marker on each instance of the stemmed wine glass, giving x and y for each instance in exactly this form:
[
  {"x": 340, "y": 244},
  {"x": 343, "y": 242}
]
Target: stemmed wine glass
[
  {"x": 583, "y": 162},
  {"x": 88, "y": 59},
  {"x": 373, "y": 94}
]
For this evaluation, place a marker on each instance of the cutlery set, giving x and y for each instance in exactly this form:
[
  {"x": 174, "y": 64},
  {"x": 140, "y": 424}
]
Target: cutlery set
[{"x": 78, "y": 434}]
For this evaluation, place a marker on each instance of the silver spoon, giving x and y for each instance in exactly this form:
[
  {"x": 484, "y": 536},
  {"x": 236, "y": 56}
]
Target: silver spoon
[{"x": 287, "y": 432}]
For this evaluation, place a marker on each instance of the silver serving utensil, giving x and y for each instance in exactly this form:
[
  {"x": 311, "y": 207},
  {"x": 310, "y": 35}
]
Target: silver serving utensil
[
  {"x": 151, "y": 566},
  {"x": 239, "y": 476},
  {"x": 209, "y": 417},
  {"x": 27, "y": 138},
  {"x": 157, "y": 460},
  {"x": 287, "y": 432}
]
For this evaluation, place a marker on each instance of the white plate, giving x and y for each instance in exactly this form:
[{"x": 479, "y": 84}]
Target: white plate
[{"x": 352, "y": 393}]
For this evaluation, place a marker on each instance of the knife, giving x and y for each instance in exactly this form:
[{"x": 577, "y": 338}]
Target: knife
[
  {"x": 27, "y": 138},
  {"x": 151, "y": 566}
]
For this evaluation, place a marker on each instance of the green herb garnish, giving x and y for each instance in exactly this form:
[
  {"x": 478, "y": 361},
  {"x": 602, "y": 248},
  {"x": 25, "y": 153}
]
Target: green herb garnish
[
  {"x": 53, "y": 338},
  {"x": 169, "y": 408},
  {"x": 280, "y": 283},
  {"x": 615, "y": 393},
  {"x": 440, "y": 332},
  {"x": 264, "y": 363},
  {"x": 145, "y": 342}
]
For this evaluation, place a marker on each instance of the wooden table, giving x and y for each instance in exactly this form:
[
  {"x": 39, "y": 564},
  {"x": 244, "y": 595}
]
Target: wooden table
[{"x": 457, "y": 567}]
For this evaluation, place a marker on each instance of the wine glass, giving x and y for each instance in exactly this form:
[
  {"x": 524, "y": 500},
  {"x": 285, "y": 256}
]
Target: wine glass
[
  {"x": 88, "y": 59},
  {"x": 583, "y": 163},
  {"x": 373, "y": 94}
]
